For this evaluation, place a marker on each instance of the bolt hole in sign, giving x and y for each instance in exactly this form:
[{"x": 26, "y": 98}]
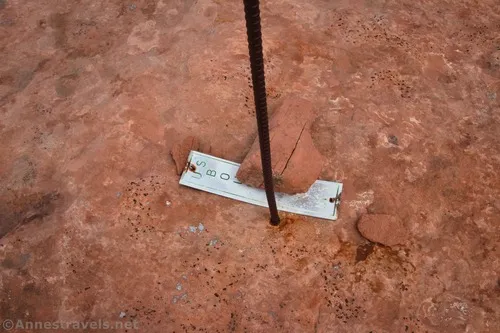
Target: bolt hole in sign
[{"x": 218, "y": 176}]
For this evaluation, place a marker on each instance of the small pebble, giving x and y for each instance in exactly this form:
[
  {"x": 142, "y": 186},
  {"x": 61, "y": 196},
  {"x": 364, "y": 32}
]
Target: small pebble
[
  {"x": 176, "y": 298},
  {"x": 393, "y": 139},
  {"x": 201, "y": 227},
  {"x": 192, "y": 229},
  {"x": 122, "y": 314},
  {"x": 178, "y": 286},
  {"x": 168, "y": 203}
]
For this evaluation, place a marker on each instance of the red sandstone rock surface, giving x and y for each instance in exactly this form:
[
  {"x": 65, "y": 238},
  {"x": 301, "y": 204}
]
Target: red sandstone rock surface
[
  {"x": 93, "y": 95},
  {"x": 383, "y": 229},
  {"x": 181, "y": 149},
  {"x": 296, "y": 161}
]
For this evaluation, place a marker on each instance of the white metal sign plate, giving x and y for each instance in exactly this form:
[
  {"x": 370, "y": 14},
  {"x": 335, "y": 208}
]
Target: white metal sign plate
[{"x": 218, "y": 176}]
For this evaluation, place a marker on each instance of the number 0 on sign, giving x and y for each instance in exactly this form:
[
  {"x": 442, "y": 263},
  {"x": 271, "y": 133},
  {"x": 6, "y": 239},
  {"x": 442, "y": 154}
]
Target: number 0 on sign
[{"x": 218, "y": 176}]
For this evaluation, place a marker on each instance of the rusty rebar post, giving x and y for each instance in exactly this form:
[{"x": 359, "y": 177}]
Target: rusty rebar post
[{"x": 252, "y": 17}]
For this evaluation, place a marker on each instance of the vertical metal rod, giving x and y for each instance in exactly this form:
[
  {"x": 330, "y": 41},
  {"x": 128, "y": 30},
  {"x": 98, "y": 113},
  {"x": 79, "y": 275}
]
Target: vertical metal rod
[{"x": 252, "y": 17}]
